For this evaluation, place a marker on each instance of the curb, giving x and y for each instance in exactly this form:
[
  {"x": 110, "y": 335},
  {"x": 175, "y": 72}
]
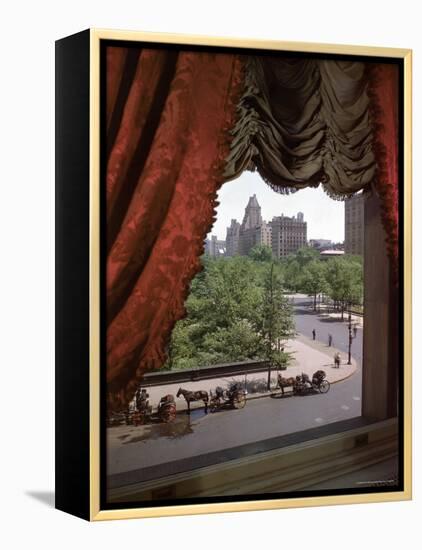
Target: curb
[
  {"x": 252, "y": 396},
  {"x": 318, "y": 346}
]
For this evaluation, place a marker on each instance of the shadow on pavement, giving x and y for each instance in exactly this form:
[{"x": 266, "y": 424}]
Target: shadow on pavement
[
  {"x": 331, "y": 320},
  {"x": 305, "y": 311},
  {"x": 281, "y": 396}
]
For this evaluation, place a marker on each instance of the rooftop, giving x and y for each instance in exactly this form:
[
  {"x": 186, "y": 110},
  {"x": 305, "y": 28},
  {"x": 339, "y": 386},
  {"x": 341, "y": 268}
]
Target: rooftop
[{"x": 332, "y": 253}]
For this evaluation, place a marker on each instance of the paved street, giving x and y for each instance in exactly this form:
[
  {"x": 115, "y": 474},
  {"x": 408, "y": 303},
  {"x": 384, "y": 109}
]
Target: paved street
[
  {"x": 133, "y": 448},
  {"x": 306, "y": 320}
]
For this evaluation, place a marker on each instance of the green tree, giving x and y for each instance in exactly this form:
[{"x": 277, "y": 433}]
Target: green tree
[
  {"x": 228, "y": 316},
  {"x": 305, "y": 255},
  {"x": 292, "y": 275},
  {"x": 277, "y": 319},
  {"x": 345, "y": 282},
  {"x": 232, "y": 293},
  {"x": 294, "y": 265},
  {"x": 222, "y": 315},
  {"x": 261, "y": 253},
  {"x": 238, "y": 342},
  {"x": 313, "y": 280},
  {"x": 182, "y": 353}
]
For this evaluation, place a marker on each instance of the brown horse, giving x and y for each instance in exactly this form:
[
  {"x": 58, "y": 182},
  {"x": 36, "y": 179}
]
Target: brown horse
[
  {"x": 285, "y": 382},
  {"x": 199, "y": 395}
]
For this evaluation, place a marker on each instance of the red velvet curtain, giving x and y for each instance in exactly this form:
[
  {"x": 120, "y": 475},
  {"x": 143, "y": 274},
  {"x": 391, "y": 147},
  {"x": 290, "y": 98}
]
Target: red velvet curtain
[
  {"x": 169, "y": 114},
  {"x": 383, "y": 92}
]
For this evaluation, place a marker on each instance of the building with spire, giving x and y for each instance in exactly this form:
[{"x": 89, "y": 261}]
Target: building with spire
[
  {"x": 253, "y": 231},
  {"x": 284, "y": 235},
  {"x": 252, "y": 217},
  {"x": 232, "y": 238}
]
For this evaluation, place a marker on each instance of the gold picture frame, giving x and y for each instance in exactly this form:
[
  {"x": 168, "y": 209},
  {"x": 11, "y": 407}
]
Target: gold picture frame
[{"x": 91, "y": 506}]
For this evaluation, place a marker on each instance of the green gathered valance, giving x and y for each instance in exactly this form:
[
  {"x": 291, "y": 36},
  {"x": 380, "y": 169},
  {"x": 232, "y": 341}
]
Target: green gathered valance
[{"x": 305, "y": 122}]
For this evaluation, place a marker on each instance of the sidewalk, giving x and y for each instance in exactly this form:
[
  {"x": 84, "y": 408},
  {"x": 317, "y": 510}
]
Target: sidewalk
[{"x": 308, "y": 357}]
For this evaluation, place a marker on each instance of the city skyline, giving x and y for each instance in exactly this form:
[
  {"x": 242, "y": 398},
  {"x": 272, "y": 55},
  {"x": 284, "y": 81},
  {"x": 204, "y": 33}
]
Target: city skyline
[
  {"x": 283, "y": 234},
  {"x": 324, "y": 216}
]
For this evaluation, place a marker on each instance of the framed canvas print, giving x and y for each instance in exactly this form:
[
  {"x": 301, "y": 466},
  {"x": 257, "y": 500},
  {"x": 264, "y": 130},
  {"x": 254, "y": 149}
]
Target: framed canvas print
[{"x": 233, "y": 274}]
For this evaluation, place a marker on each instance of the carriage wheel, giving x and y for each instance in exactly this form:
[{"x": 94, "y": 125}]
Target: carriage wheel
[
  {"x": 168, "y": 416},
  {"x": 324, "y": 386},
  {"x": 239, "y": 401}
]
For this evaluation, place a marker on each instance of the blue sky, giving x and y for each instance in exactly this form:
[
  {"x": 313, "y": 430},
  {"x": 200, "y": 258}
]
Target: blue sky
[{"x": 324, "y": 215}]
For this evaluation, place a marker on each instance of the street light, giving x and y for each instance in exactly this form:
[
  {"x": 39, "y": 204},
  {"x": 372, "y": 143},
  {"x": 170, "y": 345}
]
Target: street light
[{"x": 349, "y": 361}]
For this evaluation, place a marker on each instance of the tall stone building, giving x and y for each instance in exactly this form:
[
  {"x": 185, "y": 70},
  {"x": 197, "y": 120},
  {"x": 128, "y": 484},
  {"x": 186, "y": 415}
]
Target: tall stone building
[
  {"x": 288, "y": 234},
  {"x": 252, "y": 220},
  {"x": 214, "y": 247},
  {"x": 354, "y": 224},
  {"x": 283, "y": 235},
  {"x": 263, "y": 234},
  {"x": 232, "y": 238},
  {"x": 252, "y": 217}
]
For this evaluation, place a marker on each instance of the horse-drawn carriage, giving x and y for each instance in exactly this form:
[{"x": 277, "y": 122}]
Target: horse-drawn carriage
[
  {"x": 190, "y": 396},
  {"x": 234, "y": 397},
  {"x": 166, "y": 411},
  {"x": 302, "y": 384},
  {"x": 140, "y": 411}
]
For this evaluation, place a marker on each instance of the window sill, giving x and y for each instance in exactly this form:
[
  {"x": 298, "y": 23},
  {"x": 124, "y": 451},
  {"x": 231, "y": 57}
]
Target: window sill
[{"x": 289, "y": 463}]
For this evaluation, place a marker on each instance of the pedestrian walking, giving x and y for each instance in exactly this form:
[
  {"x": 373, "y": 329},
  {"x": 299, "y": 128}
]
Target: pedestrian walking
[
  {"x": 313, "y": 334},
  {"x": 330, "y": 340},
  {"x": 355, "y": 331},
  {"x": 337, "y": 360}
]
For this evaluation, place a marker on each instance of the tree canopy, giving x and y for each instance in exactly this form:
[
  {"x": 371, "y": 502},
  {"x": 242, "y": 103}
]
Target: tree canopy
[
  {"x": 261, "y": 253},
  {"x": 312, "y": 279},
  {"x": 237, "y": 309},
  {"x": 345, "y": 281},
  {"x": 227, "y": 314}
]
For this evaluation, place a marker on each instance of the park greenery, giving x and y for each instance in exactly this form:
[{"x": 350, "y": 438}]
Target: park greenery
[{"x": 238, "y": 307}]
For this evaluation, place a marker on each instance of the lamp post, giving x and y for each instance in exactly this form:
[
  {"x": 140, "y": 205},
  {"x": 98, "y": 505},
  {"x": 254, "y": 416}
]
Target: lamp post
[{"x": 349, "y": 361}]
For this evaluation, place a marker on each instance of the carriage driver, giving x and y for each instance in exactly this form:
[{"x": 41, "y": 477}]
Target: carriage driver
[{"x": 142, "y": 399}]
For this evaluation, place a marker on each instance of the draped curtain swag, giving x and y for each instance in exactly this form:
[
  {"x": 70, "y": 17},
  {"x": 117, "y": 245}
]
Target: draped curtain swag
[
  {"x": 305, "y": 122},
  {"x": 168, "y": 115},
  {"x": 310, "y": 122},
  {"x": 179, "y": 124}
]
